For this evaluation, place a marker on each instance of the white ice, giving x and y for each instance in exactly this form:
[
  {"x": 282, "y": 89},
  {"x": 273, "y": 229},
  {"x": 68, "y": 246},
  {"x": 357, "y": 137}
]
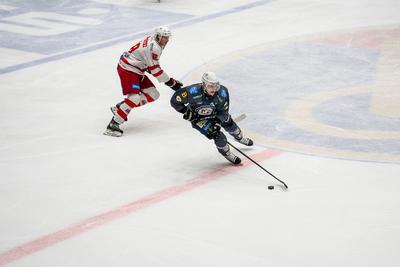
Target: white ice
[{"x": 58, "y": 170}]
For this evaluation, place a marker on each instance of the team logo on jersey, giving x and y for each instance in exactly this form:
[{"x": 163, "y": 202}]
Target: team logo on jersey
[
  {"x": 205, "y": 110},
  {"x": 154, "y": 56},
  {"x": 193, "y": 90},
  {"x": 184, "y": 94}
]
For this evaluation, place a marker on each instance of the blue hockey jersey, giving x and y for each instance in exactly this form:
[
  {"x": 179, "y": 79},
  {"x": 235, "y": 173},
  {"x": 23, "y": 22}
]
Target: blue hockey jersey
[{"x": 202, "y": 104}]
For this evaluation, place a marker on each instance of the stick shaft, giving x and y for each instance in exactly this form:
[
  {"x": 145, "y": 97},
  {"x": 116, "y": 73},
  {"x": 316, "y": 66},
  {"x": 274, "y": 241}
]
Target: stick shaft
[{"x": 257, "y": 164}]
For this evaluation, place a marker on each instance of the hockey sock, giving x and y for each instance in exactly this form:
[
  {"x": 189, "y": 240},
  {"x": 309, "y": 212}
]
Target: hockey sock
[{"x": 123, "y": 109}]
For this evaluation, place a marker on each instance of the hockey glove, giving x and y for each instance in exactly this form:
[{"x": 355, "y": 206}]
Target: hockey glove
[
  {"x": 189, "y": 115},
  {"x": 213, "y": 131},
  {"x": 174, "y": 84}
]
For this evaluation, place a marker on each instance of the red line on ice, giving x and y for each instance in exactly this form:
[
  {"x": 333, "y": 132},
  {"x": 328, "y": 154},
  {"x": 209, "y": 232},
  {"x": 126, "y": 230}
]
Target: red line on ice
[{"x": 51, "y": 239}]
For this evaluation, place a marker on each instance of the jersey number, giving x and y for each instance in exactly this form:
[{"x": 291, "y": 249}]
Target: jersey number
[{"x": 136, "y": 46}]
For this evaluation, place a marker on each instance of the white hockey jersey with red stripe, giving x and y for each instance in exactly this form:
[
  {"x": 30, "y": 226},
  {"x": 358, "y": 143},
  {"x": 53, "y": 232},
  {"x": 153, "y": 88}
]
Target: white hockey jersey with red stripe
[{"x": 144, "y": 56}]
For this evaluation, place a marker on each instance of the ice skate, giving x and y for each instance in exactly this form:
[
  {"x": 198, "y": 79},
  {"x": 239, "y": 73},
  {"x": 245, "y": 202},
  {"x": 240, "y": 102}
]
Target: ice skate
[
  {"x": 245, "y": 141},
  {"x": 235, "y": 160},
  {"x": 113, "y": 129}
]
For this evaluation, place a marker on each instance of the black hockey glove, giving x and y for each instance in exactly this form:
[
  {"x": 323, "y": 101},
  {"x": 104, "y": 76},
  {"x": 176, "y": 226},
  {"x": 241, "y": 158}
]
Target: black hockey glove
[
  {"x": 189, "y": 115},
  {"x": 213, "y": 131},
  {"x": 174, "y": 84}
]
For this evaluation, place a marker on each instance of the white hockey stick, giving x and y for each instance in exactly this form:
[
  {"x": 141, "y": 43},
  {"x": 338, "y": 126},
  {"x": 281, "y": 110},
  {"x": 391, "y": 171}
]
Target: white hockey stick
[{"x": 240, "y": 117}]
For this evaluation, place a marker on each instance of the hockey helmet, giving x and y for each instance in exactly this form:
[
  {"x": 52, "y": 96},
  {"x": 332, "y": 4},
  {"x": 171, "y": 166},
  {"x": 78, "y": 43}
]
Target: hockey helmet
[
  {"x": 162, "y": 31},
  {"x": 209, "y": 79}
]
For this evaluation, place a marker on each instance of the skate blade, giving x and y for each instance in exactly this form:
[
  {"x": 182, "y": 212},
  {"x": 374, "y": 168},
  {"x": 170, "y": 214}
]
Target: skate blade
[{"x": 112, "y": 133}]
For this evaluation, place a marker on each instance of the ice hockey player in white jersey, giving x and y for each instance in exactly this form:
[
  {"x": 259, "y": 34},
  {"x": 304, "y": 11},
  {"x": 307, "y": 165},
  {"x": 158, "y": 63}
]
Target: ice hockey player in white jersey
[
  {"x": 137, "y": 88},
  {"x": 206, "y": 106}
]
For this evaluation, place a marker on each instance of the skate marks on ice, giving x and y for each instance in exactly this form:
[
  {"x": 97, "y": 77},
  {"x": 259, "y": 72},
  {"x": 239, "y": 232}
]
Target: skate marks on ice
[
  {"x": 333, "y": 95},
  {"x": 94, "y": 222}
]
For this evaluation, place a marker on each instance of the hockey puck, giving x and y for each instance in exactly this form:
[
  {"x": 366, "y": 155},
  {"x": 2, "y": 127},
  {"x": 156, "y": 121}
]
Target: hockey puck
[{"x": 270, "y": 187}]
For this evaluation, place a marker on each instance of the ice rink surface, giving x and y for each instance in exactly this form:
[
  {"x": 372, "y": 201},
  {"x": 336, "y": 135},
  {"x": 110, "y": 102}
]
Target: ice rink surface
[{"x": 319, "y": 82}]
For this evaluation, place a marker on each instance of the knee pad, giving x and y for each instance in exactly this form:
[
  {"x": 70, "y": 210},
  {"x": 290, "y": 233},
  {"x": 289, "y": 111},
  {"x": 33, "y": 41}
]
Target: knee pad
[
  {"x": 228, "y": 124},
  {"x": 135, "y": 98},
  {"x": 152, "y": 93},
  {"x": 237, "y": 131},
  {"x": 143, "y": 100}
]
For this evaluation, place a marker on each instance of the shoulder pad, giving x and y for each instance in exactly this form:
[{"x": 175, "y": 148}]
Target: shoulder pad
[{"x": 222, "y": 92}]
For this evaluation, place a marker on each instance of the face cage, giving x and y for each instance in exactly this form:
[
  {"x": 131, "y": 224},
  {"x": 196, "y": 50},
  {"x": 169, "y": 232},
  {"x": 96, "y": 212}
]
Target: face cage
[
  {"x": 216, "y": 85},
  {"x": 160, "y": 35},
  {"x": 158, "y": 39}
]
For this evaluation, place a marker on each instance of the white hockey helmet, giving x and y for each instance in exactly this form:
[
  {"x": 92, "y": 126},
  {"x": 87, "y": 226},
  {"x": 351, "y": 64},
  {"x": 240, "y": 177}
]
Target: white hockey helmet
[
  {"x": 162, "y": 31},
  {"x": 210, "y": 78}
]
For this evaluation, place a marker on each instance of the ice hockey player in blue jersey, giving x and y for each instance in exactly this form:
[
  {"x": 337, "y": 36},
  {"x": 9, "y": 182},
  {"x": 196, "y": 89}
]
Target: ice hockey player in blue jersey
[{"x": 206, "y": 106}]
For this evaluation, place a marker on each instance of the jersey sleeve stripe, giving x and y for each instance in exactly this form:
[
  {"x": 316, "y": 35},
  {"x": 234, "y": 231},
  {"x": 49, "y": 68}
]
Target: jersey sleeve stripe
[
  {"x": 123, "y": 59},
  {"x": 126, "y": 61},
  {"x": 154, "y": 67},
  {"x": 158, "y": 73}
]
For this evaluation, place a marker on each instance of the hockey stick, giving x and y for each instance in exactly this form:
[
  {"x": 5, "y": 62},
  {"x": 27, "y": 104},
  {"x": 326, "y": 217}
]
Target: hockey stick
[
  {"x": 240, "y": 117},
  {"x": 236, "y": 119},
  {"x": 258, "y": 164}
]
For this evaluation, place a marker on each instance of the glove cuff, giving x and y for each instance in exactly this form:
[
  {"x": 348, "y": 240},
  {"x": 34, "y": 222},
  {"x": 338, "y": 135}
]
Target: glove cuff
[
  {"x": 170, "y": 82},
  {"x": 183, "y": 110}
]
